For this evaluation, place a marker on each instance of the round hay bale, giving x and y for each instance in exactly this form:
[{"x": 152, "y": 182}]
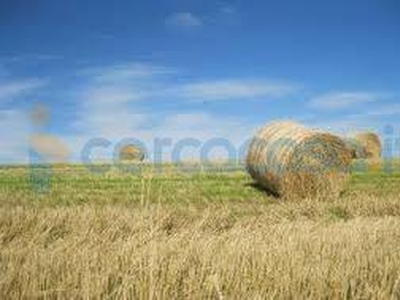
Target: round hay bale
[
  {"x": 371, "y": 143},
  {"x": 291, "y": 160},
  {"x": 356, "y": 149},
  {"x": 131, "y": 153}
]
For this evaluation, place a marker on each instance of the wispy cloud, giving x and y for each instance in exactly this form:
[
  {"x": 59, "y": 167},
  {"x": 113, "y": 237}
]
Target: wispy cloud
[
  {"x": 16, "y": 88},
  {"x": 110, "y": 109},
  {"x": 34, "y": 57},
  {"x": 128, "y": 71},
  {"x": 346, "y": 126},
  {"x": 221, "y": 15},
  {"x": 384, "y": 110},
  {"x": 343, "y": 100},
  {"x": 137, "y": 81},
  {"x": 224, "y": 15},
  {"x": 30, "y": 58},
  {"x": 234, "y": 89},
  {"x": 107, "y": 101},
  {"x": 183, "y": 20}
]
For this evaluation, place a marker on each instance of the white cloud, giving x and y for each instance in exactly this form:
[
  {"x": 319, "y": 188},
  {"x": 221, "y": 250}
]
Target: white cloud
[
  {"x": 109, "y": 109},
  {"x": 384, "y": 110},
  {"x": 129, "y": 71},
  {"x": 107, "y": 102},
  {"x": 111, "y": 95},
  {"x": 343, "y": 100},
  {"x": 16, "y": 88},
  {"x": 201, "y": 125},
  {"x": 373, "y": 117},
  {"x": 31, "y": 58},
  {"x": 345, "y": 126},
  {"x": 183, "y": 20},
  {"x": 348, "y": 125},
  {"x": 224, "y": 15},
  {"x": 233, "y": 89}
]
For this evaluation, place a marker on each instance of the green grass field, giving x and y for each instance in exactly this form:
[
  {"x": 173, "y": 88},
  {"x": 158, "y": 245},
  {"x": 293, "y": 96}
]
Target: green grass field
[{"x": 194, "y": 236}]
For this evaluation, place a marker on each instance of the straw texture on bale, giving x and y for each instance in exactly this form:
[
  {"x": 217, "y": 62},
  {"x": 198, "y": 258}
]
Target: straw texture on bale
[
  {"x": 131, "y": 153},
  {"x": 291, "y": 160}
]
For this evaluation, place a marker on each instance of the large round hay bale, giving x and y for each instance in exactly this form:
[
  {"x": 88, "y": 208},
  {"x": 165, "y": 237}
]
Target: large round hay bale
[
  {"x": 131, "y": 153},
  {"x": 291, "y": 160},
  {"x": 371, "y": 143}
]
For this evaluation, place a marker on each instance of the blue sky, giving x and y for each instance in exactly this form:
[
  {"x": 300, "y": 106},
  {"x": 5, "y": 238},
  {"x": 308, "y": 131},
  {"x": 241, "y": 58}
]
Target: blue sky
[{"x": 190, "y": 68}]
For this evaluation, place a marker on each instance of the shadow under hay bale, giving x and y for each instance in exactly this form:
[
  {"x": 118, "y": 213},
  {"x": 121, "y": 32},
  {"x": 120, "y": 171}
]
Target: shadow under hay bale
[
  {"x": 293, "y": 161},
  {"x": 262, "y": 189}
]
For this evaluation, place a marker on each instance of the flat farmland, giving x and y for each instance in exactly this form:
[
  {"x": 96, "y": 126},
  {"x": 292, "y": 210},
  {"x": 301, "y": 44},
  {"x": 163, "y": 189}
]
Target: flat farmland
[{"x": 194, "y": 235}]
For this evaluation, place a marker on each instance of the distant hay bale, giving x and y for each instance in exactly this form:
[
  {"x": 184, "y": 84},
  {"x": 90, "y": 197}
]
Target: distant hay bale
[
  {"x": 371, "y": 143},
  {"x": 291, "y": 160},
  {"x": 364, "y": 146},
  {"x": 355, "y": 148},
  {"x": 131, "y": 153}
]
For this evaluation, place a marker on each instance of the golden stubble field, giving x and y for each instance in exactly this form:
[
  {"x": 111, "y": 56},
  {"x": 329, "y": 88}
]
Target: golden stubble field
[{"x": 209, "y": 235}]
